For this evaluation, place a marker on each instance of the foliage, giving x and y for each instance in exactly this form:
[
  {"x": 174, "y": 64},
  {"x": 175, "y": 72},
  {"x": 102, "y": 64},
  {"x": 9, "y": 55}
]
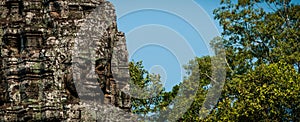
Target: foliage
[
  {"x": 260, "y": 32},
  {"x": 261, "y": 40},
  {"x": 144, "y": 104},
  {"x": 263, "y": 61},
  {"x": 200, "y": 70},
  {"x": 267, "y": 93}
]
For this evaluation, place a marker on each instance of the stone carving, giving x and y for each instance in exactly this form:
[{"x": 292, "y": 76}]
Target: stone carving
[{"x": 36, "y": 82}]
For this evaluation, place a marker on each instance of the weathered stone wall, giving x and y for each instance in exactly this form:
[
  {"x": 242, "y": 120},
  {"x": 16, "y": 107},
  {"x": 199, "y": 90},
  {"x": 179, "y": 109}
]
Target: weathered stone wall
[{"x": 36, "y": 83}]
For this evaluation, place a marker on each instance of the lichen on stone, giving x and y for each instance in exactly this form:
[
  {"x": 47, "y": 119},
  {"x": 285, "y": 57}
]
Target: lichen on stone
[{"x": 36, "y": 83}]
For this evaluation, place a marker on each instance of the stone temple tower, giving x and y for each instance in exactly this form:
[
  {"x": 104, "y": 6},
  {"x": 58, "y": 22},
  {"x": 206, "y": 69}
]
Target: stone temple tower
[{"x": 36, "y": 77}]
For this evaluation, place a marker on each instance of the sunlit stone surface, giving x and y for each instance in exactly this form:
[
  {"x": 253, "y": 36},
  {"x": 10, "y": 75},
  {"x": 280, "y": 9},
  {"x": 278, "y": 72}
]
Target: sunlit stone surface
[{"x": 36, "y": 83}]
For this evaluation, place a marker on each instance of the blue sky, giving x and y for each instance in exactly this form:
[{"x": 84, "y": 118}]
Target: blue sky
[{"x": 167, "y": 34}]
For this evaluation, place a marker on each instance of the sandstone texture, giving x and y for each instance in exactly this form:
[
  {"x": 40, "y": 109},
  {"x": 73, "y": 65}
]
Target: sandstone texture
[{"x": 36, "y": 78}]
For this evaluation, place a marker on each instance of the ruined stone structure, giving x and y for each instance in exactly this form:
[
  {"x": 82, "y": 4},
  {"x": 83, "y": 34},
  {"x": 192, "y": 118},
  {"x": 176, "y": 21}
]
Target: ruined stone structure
[{"x": 36, "y": 82}]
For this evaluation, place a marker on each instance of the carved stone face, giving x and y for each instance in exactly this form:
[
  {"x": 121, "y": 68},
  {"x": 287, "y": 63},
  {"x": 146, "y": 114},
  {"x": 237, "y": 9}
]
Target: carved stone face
[
  {"x": 28, "y": 17},
  {"x": 43, "y": 66}
]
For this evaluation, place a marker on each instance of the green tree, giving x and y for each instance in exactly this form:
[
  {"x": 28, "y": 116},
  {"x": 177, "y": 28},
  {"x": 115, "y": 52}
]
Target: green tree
[
  {"x": 261, "y": 40},
  {"x": 262, "y": 47},
  {"x": 192, "y": 94},
  {"x": 200, "y": 74},
  {"x": 267, "y": 93},
  {"x": 259, "y": 32},
  {"x": 145, "y": 104},
  {"x": 262, "y": 57}
]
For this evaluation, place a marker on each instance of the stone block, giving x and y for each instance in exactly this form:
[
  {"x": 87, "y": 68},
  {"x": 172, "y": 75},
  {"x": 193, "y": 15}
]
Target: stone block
[{"x": 38, "y": 39}]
